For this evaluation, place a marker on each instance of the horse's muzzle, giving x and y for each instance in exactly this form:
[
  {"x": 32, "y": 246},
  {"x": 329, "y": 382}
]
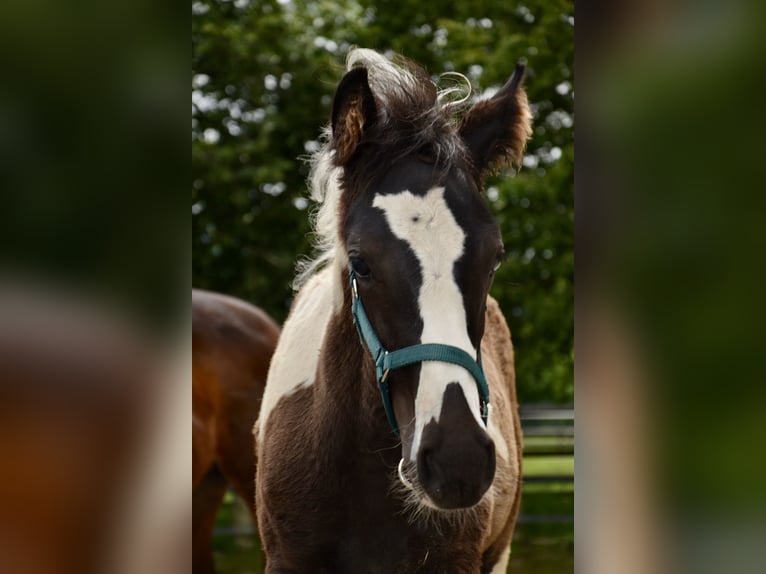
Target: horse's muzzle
[{"x": 456, "y": 458}]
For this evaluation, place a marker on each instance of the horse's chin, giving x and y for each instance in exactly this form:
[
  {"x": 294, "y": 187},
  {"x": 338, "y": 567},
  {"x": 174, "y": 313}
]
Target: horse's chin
[
  {"x": 416, "y": 495},
  {"x": 426, "y": 501}
]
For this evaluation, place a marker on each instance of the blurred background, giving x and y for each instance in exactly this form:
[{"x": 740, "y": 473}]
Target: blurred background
[
  {"x": 94, "y": 277},
  {"x": 263, "y": 76},
  {"x": 670, "y": 281}
]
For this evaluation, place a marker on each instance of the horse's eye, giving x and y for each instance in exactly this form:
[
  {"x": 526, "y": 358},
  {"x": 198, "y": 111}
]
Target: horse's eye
[
  {"x": 361, "y": 269},
  {"x": 499, "y": 261}
]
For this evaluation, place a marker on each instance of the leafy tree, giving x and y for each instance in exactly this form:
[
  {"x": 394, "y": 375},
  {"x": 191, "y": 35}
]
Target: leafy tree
[{"x": 263, "y": 74}]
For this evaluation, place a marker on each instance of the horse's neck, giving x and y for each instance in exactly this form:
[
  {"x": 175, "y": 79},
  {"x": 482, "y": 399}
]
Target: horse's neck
[{"x": 345, "y": 382}]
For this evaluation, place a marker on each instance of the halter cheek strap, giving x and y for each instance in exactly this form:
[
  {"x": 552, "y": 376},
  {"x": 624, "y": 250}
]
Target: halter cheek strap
[{"x": 386, "y": 361}]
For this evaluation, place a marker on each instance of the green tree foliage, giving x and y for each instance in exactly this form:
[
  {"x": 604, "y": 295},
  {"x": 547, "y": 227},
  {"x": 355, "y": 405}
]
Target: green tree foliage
[{"x": 263, "y": 74}]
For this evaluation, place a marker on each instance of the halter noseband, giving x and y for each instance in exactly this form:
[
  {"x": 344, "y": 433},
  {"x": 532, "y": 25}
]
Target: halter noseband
[{"x": 386, "y": 361}]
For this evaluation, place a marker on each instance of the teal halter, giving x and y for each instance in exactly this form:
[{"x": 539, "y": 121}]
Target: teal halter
[{"x": 386, "y": 361}]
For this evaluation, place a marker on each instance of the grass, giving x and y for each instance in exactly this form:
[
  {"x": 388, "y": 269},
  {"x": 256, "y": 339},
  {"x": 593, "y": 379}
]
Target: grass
[{"x": 555, "y": 465}]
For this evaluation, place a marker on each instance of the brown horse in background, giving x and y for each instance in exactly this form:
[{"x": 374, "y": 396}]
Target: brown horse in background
[
  {"x": 232, "y": 344},
  {"x": 82, "y": 390}
]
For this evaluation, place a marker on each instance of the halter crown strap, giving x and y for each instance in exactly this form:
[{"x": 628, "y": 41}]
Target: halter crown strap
[{"x": 386, "y": 361}]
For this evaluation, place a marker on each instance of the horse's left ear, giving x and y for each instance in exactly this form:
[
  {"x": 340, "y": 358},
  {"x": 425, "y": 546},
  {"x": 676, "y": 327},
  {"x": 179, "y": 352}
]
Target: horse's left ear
[
  {"x": 496, "y": 130},
  {"x": 353, "y": 112}
]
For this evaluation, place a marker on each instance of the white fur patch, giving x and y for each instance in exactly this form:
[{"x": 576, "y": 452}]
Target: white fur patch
[
  {"x": 428, "y": 226},
  {"x": 326, "y": 191},
  {"x": 295, "y": 360},
  {"x": 501, "y": 567}
]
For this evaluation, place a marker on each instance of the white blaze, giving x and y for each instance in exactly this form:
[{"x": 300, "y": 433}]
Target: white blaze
[{"x": 428, "y": 226}]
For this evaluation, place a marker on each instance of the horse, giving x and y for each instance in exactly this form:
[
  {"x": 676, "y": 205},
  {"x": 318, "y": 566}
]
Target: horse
[
  {"x": 388, "y": 438},
  {"x": 80, "y": 395},
  {"x": 232, "y": 345}
]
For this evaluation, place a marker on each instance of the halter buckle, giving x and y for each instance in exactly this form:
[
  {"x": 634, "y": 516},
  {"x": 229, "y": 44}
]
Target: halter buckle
[
  {"x": 382, "y": 359},
  {"x": 354, "y": 290}
]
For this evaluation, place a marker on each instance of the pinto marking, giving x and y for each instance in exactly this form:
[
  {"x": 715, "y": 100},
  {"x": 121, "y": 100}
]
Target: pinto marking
[
  {"x": 428, "y": 226},
  {"x": 295, "y": 361}
]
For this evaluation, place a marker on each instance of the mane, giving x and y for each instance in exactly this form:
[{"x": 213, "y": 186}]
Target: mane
[{"x": 414, "y": 118}]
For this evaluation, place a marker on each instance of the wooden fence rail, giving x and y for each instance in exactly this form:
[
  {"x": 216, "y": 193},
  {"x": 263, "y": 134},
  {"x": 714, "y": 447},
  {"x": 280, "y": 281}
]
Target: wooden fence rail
[{"x": 548, "y": 432}]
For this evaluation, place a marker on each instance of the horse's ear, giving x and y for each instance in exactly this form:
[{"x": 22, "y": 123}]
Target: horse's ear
[
  {"x": 353, "y": 112},
  {"x": 496, "y": 130}
]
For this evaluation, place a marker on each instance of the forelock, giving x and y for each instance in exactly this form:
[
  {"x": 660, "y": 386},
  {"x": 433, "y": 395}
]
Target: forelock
[{"x": 414, "y": 117}]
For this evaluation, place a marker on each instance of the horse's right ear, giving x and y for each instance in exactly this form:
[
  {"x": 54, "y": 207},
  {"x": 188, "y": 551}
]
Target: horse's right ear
[{"x": 353, "y": 112}]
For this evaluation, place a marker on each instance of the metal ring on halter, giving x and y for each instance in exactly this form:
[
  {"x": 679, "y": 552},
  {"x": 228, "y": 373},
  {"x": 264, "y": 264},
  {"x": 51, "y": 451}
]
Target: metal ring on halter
[{"x": 403, "y": 478}]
